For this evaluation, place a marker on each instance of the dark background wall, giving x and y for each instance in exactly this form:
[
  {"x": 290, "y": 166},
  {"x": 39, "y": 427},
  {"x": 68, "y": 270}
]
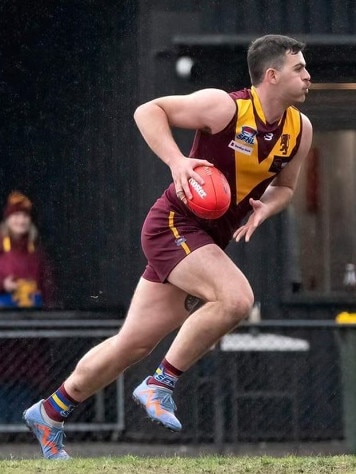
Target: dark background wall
[
  {"x": 71, "y": 75},
  {"x": 68, "y": 90}
]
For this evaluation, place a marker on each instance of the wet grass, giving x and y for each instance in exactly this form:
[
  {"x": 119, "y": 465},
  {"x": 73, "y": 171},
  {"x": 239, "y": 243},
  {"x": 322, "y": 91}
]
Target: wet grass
[{"x": 183, "y": 465}]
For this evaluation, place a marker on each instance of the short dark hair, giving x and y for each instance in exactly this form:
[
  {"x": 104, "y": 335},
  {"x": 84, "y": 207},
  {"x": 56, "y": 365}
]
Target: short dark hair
[{"x": 269, "y": 51}]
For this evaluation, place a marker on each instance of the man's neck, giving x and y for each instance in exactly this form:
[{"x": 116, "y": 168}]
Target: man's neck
[{"x": 271, "y": 105}]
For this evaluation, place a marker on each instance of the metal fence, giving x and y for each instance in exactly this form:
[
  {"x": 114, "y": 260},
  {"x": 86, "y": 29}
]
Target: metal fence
[{"x": 280, "y": 381}]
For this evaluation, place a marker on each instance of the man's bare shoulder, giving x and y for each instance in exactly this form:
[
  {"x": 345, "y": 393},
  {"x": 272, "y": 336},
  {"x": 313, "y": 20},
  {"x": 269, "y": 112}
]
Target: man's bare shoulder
[
  {"x": 306, "y": 122},
  {"x": 219, "y": 107},
  {"x": 307, "y": 134},
  {"x": 212, "y": 93}
]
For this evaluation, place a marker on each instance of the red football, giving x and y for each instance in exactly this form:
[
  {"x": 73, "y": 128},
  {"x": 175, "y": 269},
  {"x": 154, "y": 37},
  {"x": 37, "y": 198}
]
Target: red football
[{"x": 212, "y": 199}]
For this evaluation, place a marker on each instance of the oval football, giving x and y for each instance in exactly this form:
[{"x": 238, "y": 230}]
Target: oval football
[{"x": 212, "y": 199}]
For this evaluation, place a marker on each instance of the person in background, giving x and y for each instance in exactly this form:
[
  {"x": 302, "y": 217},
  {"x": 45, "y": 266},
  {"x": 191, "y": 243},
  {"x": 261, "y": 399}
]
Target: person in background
[{"x": 26, "y": 278}]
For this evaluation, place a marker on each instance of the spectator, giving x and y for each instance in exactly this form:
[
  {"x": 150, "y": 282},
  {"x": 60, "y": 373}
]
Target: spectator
[{"x": 25, "y": 274}]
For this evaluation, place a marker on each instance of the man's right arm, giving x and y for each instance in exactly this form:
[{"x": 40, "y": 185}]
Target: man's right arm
[{"x": 208, "y": 109}]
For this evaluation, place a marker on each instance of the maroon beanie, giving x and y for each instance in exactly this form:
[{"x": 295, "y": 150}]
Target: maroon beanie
[{"x": 17, "y": 202}]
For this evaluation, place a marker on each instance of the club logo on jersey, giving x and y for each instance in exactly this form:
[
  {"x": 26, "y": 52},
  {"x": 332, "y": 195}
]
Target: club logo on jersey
[
  {"x": 247, "y": 135},
  {"x": 284, "y": 143}
]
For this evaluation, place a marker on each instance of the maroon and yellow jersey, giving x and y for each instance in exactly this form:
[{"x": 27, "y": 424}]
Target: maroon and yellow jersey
[{"x": 250, "y": 152}]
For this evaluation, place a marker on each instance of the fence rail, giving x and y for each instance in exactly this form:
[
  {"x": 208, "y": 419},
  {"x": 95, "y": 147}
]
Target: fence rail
[{"x": 278, "y": 380}]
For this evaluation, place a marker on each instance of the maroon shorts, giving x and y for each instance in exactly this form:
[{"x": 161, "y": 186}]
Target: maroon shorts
[{"x": 168, "y": 235}]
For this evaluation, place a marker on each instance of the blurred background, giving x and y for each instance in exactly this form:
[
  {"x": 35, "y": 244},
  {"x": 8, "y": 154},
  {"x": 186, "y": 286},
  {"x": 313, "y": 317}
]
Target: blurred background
[{"x": 71, "y": 76}]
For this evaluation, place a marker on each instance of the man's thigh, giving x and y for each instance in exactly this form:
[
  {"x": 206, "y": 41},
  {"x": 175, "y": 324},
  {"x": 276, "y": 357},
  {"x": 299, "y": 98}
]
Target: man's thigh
[
  {"x": 156, "y": 310},
  {"x": 208, "y": 273}
]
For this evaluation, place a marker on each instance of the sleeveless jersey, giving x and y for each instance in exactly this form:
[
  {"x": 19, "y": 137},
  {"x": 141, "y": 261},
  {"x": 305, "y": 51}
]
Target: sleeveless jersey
[{"x": 250, "y": 153}]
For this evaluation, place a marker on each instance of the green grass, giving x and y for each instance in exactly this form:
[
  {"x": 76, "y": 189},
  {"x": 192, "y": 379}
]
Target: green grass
[{"x": 183, "y": 465}]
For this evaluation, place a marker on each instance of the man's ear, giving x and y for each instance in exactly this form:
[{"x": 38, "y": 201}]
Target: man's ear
[{"x": 271, "y": 75}]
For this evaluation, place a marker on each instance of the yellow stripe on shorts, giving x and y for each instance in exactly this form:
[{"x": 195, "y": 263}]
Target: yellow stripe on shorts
[{"x": 175, "y": 232}]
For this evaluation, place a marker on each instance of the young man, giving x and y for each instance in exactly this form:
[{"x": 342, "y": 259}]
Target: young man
[{"x": 258, "y": 139}]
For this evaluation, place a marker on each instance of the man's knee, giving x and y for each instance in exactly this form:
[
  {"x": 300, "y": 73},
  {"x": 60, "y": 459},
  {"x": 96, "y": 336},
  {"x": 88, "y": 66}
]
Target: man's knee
[
  {"x": 135, "y": 344},
  {"x": 238, "y": 305}
]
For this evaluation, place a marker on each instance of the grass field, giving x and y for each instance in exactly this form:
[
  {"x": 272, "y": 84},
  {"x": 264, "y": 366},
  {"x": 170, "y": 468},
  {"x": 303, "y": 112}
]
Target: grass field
[{"x": 182, "y": 465}]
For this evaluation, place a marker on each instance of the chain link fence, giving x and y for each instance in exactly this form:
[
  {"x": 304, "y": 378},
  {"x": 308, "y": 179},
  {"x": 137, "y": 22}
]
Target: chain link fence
[{"x": 274, "y": 382}]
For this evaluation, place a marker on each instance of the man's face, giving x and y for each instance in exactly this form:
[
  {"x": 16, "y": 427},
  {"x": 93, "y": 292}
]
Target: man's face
[
  {"x": 293, "y": 78},
  {"x": 19, "y": 223}
]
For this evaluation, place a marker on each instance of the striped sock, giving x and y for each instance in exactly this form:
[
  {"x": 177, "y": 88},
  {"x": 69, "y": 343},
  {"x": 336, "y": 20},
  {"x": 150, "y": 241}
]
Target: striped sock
[
  {"x": 59, "y": 405},
  {"x": 165, "y": 376}
]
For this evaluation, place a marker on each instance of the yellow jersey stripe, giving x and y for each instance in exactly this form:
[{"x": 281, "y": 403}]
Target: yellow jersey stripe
[
  {"x": 6, "y": 244},
  {"x": 250, "y": 170}
]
